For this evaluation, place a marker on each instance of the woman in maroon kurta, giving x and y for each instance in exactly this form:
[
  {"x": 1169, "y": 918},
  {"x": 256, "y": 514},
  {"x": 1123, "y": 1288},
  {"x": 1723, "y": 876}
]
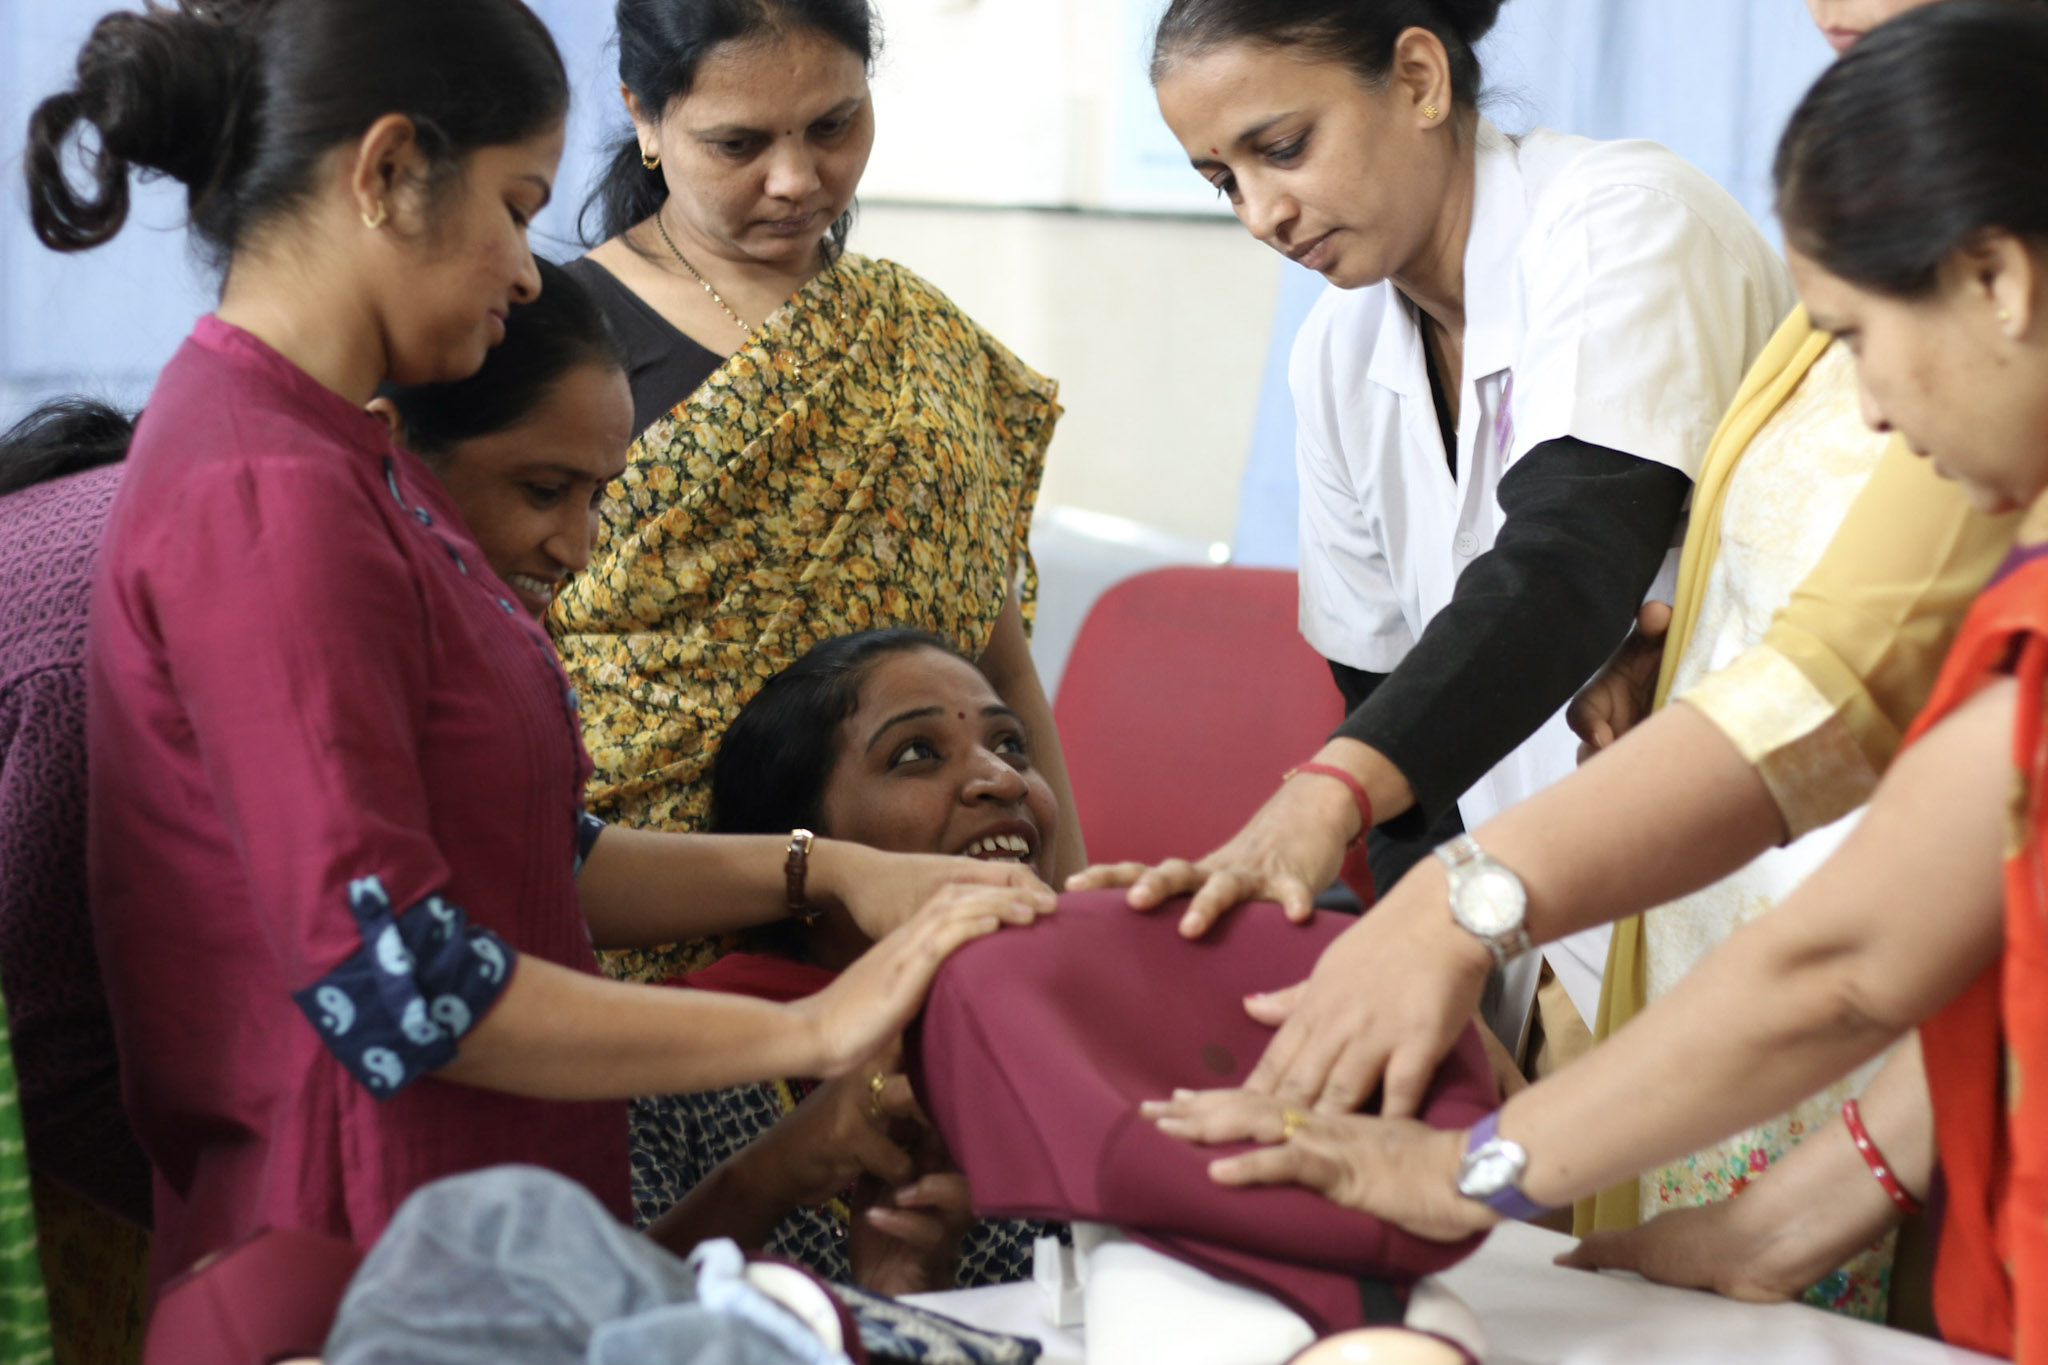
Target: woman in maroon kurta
[
  {"x": 336, "y": 839},
  {"x": 309, "y": 693}
]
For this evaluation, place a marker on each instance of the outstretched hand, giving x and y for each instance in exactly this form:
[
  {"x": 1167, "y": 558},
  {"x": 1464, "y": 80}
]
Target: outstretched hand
[
  {"x": 1385, "y": 1003},
  {"x": 1288, "y": 853},
  {"x": 882, "y": 891},
  {"x": 1398, "y": 1170},
  {"x": 874, "y": 999},
  {"x": 1697, "y": 1248}
]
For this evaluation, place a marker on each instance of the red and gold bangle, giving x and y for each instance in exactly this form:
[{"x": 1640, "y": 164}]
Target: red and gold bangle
[
  {"x": 1852, "y": 1118},
  {"x": 1359, "y": 796}
]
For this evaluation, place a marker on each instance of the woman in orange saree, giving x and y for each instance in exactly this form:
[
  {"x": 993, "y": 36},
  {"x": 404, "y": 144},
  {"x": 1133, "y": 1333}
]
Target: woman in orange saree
[{"x": 1987, "y": 1052}]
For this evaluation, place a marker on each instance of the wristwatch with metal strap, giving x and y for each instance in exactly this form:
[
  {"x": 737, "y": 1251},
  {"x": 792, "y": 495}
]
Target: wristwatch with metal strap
[{"x": 1487, "y": 899}]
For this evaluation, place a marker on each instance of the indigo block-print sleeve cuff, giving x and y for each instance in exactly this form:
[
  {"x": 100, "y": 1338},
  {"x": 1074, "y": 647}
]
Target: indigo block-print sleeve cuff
[
  {"x": 396, "y": 1008},
  {"x": 588, "y": 827}
]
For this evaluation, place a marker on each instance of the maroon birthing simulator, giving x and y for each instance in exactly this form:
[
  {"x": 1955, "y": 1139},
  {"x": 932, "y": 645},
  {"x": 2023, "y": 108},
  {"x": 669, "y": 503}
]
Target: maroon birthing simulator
[{"x": 1038, "y": 1044}]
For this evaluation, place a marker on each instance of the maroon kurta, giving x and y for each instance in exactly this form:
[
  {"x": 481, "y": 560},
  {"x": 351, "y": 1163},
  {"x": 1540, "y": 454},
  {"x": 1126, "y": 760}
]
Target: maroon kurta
[{"x": 336, "y": 781}]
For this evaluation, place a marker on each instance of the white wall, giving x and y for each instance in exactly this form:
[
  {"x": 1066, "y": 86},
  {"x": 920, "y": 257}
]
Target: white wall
[
  {"x": 1155, "y": 326},
  {"x": 1156, "y": 329},
  {"x": 1025, "y": 102}
]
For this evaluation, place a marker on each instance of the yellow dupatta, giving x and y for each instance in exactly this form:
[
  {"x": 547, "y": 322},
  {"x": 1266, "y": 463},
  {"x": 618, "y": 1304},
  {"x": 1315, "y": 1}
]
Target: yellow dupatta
[
  {"x": 1792, "y": 351},
  {"x": 871, "y": 458}
]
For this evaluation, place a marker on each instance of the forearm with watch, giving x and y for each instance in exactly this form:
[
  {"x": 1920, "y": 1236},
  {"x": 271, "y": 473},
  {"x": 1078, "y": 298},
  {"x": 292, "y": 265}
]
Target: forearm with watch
[
  {"x": 1672, "y": 807},
  {"x": 1792, "y": 1000},
  {"x": 644, "y": 887}
]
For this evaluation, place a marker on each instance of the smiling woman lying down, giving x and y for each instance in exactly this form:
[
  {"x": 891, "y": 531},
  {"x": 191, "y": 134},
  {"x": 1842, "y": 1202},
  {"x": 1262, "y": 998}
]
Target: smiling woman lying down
[{"x": 887, "y": 738}]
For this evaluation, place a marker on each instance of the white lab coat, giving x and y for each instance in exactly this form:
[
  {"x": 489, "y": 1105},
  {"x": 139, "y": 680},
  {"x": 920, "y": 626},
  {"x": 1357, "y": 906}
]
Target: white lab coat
[{"x": 1613, "y": 293}]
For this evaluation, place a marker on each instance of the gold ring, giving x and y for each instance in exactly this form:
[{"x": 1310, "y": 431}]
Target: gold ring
[
  {"x": 876, "y": 1084},
  {"x": 1292, "y": 1121}
]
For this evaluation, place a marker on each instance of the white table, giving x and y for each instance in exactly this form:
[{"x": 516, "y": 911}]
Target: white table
[{"x": 1537, "y": 1314}]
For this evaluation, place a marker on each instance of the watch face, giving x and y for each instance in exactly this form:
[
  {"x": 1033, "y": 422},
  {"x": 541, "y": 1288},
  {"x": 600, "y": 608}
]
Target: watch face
[
  {"x": 1491, "y": 1169},
  {"x": 1493, "y": 902}
]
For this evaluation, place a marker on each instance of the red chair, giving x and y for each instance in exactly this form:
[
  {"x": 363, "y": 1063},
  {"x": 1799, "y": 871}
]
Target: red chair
[{"x": 1188, "y": 694}]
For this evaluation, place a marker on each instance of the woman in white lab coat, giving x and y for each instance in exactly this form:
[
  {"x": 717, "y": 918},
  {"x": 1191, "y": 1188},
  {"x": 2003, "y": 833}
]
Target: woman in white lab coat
[{"x": 1501, "y": 404}]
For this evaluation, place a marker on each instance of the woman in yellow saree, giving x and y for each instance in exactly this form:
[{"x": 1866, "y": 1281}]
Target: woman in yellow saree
[{"x": 827, "y": 444}]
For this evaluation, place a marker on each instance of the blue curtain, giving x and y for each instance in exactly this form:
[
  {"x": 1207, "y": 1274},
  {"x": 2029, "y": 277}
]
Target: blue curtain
[{"x": 1714, "y": 81}]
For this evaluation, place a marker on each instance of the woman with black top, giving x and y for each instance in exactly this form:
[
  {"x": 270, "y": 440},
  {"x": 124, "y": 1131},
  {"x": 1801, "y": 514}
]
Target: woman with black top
[{"x": 826, "y": 444}]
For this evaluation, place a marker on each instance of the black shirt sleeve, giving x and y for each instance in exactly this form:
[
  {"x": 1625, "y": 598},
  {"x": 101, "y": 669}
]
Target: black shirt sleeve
[{"x": 1586, "y": 530}]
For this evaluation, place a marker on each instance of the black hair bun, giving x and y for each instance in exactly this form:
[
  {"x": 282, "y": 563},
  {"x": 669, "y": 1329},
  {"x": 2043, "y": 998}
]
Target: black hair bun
[
  {"x": 161, "y": 90},
  {"x": 1473, "y": 19}
]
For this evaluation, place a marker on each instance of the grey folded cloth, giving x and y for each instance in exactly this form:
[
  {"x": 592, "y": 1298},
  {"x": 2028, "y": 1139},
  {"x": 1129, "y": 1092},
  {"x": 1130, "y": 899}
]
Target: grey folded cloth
[{"x": 519, "y": 1265}]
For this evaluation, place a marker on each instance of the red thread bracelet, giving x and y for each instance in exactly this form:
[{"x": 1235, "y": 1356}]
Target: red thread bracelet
[
  {"x": 1852, "y": 1118},
  {"x": 1359, "y": 795}
]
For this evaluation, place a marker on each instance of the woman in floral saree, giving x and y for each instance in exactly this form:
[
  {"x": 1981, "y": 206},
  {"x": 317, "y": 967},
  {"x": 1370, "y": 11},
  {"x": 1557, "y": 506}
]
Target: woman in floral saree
[
  {"x": 1918, "y": 226},
  {"x": 826, "y": 443}
]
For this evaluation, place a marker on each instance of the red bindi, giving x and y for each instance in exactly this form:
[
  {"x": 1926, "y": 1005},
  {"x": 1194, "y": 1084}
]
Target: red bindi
[
  {"x": 963, "y": 715},
  {"x": 1214, "y": 151}
]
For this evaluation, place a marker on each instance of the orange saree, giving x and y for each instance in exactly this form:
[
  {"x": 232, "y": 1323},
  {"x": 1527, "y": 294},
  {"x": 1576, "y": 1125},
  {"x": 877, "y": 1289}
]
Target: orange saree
[{"x": 1987, "y": 1051}]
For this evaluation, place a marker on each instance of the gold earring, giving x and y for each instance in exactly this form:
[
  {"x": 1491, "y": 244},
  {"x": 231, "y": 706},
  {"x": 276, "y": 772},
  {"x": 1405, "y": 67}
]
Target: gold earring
[
  {"x": 2005, "y": 315},
  {"x": 382, "y": 213},
  {"x": 651, "y": 160},
  {"x": 1430, "y": 111}
]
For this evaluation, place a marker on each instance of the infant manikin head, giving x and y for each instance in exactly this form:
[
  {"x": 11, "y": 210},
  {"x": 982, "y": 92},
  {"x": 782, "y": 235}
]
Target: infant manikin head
[{"x": 1382, "y": 1346}]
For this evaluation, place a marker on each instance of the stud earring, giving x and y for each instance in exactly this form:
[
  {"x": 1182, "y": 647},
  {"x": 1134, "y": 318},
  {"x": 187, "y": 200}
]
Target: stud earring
[
  {"x": 1430, "y": 111},
  {"x": 651, "y": 160},
  {"x": 383, "y": 212},
  {"x": 2005, "y": 315}
]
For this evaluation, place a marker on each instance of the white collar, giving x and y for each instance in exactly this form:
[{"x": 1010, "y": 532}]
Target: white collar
[{"x": 1493, "y": 304}]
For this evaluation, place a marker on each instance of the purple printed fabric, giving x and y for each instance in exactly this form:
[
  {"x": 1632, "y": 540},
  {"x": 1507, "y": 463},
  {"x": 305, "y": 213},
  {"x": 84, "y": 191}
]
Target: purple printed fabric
[{"x": 57, "y": 1010}]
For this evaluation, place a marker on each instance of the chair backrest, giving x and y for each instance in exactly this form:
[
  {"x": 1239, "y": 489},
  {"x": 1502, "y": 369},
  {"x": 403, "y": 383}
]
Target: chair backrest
[{"x": 1187, "y": 695}]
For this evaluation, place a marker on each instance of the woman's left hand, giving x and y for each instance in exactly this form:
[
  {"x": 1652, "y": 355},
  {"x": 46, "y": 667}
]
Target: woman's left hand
[
  {"x": 906, "y": 1240},
  {"x": 883, "y": 890},
  {"x": 1398, "y": 1170},
  {"x": 1696, "y": 1248}
]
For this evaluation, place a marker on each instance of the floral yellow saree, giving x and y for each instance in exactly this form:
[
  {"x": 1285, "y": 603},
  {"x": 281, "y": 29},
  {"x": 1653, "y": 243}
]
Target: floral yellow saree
[{"x": 871, "y": 458}]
